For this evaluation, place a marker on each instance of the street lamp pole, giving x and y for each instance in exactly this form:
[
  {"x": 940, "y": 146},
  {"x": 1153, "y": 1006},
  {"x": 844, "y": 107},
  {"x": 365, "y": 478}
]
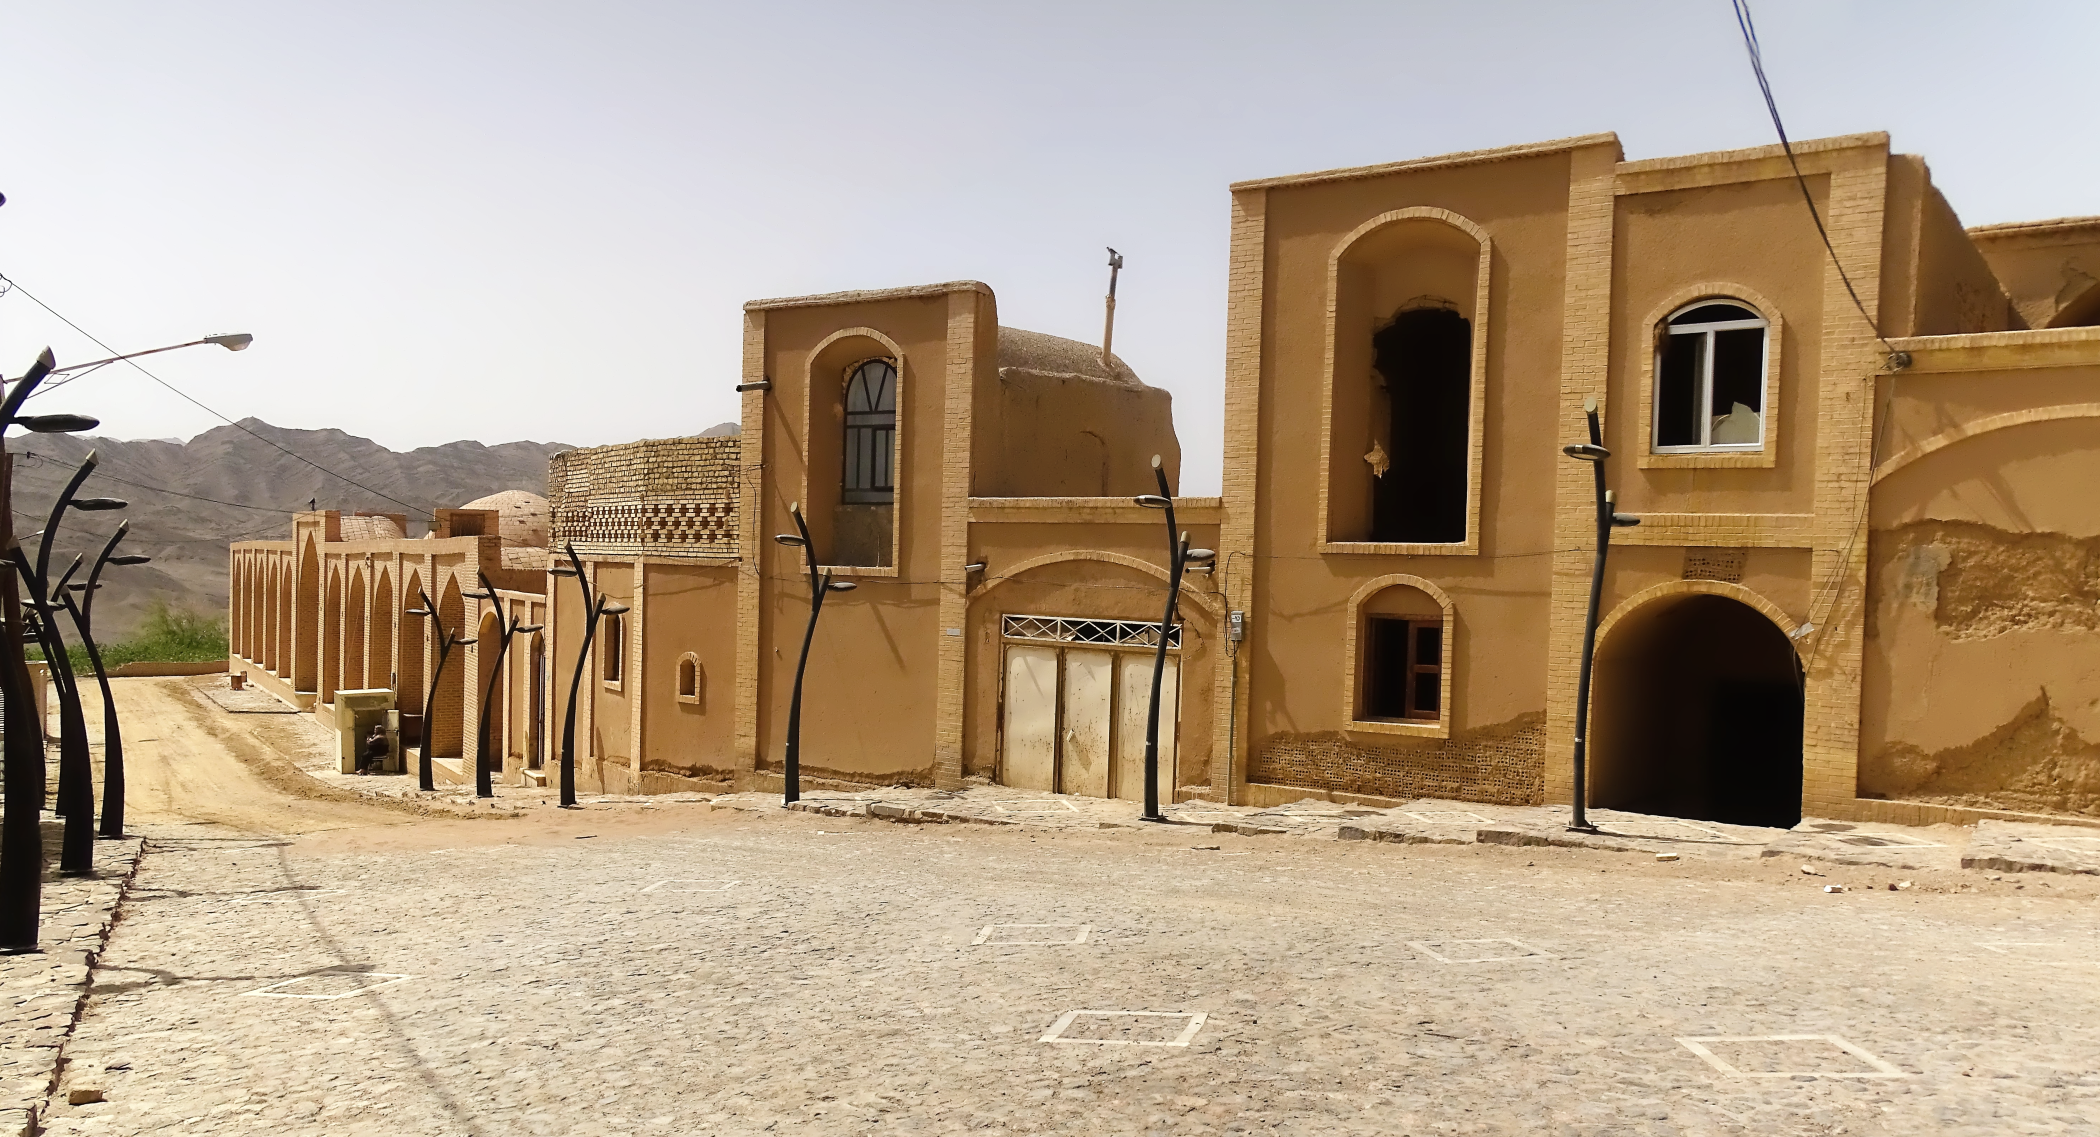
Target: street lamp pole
[
  {"x": 1179, "y": 557},
  {"x": 446, "y": 641},
  {"x": 83, "y": 613},
  {"x": 820, "y": 582},
  {"x": 595, "y": 608},
  {"x": 1594, "y": 453},
  {"x": 22, "y": 803},
  {"x": 483, "y": 777}
]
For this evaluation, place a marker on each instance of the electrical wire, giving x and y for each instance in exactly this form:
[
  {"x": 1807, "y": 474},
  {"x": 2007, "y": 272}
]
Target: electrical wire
[{"x": 17, "y": 286}]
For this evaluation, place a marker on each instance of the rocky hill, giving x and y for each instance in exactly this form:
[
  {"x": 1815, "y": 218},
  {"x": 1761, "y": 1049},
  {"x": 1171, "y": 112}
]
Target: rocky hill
[{"x": 190, "y": 500}]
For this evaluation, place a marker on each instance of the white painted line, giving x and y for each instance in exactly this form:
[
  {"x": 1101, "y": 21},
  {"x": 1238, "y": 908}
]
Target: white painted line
[
  {"x": 709, "y": 885},
  {"x": 984, "y": 937},
  {"x": 1034, "y": 805},
  {"x": 386, "y": 979},
  {"x": 1447, "y": 817},
  {"x": 1697, "y": 1045},
  {"x": 1524, "y": 950},
  {"x": 1888, "y": 841},
  {"x": 288, "y": 896},
  {"x": 1188, "y": 1030},
  {"x": 2073, "y": 844}
]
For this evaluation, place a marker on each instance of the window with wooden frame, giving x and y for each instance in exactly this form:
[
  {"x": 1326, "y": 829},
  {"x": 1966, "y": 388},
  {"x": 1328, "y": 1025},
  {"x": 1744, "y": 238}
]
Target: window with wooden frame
[
  {"x": 1712, "y": 379},
  {"x": 1404, "y": 668},
  {"x": 612, "y": 646}
]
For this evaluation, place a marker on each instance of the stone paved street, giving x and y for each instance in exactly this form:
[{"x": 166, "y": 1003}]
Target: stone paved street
[{"x": 733, "y": 967}]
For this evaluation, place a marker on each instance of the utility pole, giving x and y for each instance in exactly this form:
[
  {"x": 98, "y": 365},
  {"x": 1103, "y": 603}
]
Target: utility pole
[{"x": 1108, "y": 325}]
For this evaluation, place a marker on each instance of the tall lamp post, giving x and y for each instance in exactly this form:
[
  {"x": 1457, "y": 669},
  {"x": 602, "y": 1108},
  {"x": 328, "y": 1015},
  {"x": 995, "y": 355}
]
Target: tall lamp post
[
  {"x": 83, "y": 613},
  {"x": 596, "y": 607},
  {"x": 1179, "y": 557},
  {"x": 820, "y": 582},
  {"x": 446, "y": 641},
  {"x": 76, "y": 772},
  {"x": 483, "y": 778},
  {"x": 21, "y": 806},
  {"x": 1594, "y": 453}
]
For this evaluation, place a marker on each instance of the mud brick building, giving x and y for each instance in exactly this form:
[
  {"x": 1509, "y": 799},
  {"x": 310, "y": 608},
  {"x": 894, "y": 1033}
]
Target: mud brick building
[{"x": 1863, "y": 584}]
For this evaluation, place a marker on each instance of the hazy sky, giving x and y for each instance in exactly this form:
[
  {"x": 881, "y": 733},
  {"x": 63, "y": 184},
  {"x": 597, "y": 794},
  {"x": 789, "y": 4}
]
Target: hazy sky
[{"x": 530, "y": 220}]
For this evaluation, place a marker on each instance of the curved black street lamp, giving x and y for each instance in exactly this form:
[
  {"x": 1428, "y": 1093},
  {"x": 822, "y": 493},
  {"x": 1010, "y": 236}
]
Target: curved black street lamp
[
  {"x": 483, "y": 778},
  {"x": 1180, "y": 558},
  {"x": 446, "y": 641},
  {"x": 1594, "y": 453},
  {"x": 819, "y": 584},
  {"x": 76, "y": 771},
  {"x": 22, "y": 747},
  {"x": 596, "y": 606},
  {"x": 83, "y": 613}
]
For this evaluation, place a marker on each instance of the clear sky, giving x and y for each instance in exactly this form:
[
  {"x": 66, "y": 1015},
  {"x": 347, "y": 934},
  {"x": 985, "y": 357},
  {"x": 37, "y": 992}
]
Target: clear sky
[{"x": 531, "y": 220}]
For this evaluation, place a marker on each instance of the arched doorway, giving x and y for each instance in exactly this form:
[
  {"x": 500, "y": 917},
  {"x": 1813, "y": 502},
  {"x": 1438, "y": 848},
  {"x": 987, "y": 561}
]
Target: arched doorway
[
  {"x": 488, "y": 643},
  {"x": 446, "y": 711},
  {"x": 536, "y": 713},
  {"x": 1698, "y": 714}
]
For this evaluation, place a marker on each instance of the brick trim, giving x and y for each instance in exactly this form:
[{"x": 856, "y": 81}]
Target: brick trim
[
  {"x": 1775, "y": 367},
  {"x": 1351, "y": 641}
]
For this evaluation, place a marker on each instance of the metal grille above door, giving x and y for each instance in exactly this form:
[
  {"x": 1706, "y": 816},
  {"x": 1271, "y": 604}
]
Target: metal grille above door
[{"x": 1069, "y": 630}]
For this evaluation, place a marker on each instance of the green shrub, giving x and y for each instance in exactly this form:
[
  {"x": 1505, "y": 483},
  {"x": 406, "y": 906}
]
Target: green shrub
[{"x": 169, "y": 635}]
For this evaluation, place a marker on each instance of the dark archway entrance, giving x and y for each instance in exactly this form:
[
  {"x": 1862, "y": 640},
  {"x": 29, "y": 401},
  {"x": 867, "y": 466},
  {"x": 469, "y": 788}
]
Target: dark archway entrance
[
  {"x": 1426, "y": 358},
  {"x": 1698, "y": 714}
]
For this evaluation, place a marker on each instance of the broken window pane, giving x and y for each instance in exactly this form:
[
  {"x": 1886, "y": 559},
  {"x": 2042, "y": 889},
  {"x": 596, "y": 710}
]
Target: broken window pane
[{"x": 1677, "y": 392}]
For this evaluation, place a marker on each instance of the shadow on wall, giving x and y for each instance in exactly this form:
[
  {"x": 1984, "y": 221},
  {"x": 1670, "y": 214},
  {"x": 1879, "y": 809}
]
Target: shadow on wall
[{"x": 1698, "y": 714}]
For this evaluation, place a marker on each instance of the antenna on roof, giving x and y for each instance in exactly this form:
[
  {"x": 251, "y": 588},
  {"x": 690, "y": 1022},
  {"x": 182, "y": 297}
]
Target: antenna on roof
[{"x": 1108, "y": 326}]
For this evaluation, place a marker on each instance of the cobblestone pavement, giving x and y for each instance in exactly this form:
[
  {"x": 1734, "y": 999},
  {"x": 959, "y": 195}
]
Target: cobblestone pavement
[
  {"x": 42, "y": 991},
  {"x": 734, "y": 967}
]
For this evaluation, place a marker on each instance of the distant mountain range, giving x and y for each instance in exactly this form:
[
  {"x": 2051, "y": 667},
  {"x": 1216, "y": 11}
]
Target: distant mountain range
[{"x": 190, "y": 500}]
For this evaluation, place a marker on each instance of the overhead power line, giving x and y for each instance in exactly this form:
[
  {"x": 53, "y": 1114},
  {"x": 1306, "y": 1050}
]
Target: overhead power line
[{"x": 272, "y": 443}]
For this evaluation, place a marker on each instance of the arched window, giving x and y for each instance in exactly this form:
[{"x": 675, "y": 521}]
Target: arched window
[
  {"x": 612, "y": 645},
  {"x": 871, "y": 434},
  {"x": 689, "y": 679},
  {"x": 1711, "y": 366}
]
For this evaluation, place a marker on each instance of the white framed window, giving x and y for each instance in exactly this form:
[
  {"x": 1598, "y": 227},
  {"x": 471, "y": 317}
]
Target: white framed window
[
  {"x": 1712, "y": 379},
  {"x": 871, "y": 434}
]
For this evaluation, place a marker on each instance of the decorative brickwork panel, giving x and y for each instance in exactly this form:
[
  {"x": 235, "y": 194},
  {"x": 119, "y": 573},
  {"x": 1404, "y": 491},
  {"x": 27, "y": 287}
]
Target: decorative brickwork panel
[
  {"x": 1715, "y": 564},
  {"x": 659, "y": 497},
  {"x": 1502, "y": 765}
]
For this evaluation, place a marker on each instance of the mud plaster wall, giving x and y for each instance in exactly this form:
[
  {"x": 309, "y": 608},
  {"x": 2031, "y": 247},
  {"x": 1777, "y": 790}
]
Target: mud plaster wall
[
  {"x": 690, "y": 609},
  {"x": 1502, "y": 764},
  {"x": 1982, "y": 668}
]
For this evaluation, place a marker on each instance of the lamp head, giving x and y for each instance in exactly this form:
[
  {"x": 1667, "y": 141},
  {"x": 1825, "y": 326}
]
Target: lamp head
[
  {"x": 1587, "y": 451},
  {"x": 130, "y": 559},
  {"x": 614, "y": 609},
  {"x": 1199, "y": 556},
  {"x": 419, "y": 613},
  {"x": 561, "y": 570},
  {"x": 530, "y": 628},
  {"x": 234, "y": 342},
  {"x": 57, "y": 424},
  {"x": 475, "y": 594},
  {"x": 99, "y": 504},
  {"x": 464, "y": 641},
  {"x": 1151, "y": 501},
  {"x": 790, "y": 539},
  {"x": 840, "y": 585}
]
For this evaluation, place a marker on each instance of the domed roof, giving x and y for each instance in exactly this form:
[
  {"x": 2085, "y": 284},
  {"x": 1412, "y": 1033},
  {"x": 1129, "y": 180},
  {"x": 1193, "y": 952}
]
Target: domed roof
[
  {"x": 521, "y": 517},
  {"x": 1022, "y": 350}
]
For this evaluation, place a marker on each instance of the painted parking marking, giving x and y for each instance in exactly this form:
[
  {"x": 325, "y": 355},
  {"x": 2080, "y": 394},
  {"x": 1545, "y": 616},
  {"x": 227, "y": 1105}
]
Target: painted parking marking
[
  {"x": 328, "y": 985},
  {"x": 288, "y": 895},
  {"x": 2053, "y": 953},
  {"x": 1125, "y": 1028},
  {"x": 1001, "y": 935},
  {"x": 1034, "y": 805},
  {"x": 704, "y": 885},
  {"x": 2071, "y": 844},
  {"x": 1447, "y": 817},
  {"x": 1889, "y": 841},
  {"x": 1479, "y": 951},
  {"x": 1797, "y": 1055}
]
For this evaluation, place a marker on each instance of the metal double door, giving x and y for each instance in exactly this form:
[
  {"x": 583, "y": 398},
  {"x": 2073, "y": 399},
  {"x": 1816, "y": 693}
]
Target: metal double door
[{"x": 1074, "y": 721}]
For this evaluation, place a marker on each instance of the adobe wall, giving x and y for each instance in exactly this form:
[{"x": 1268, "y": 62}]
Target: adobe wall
[
  {"x": 1072, "y": 436},
  {"x": 689, "y": 742},
  {"x": 1984, "y": 532},
  {"x": 2049, "y": 269}
]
